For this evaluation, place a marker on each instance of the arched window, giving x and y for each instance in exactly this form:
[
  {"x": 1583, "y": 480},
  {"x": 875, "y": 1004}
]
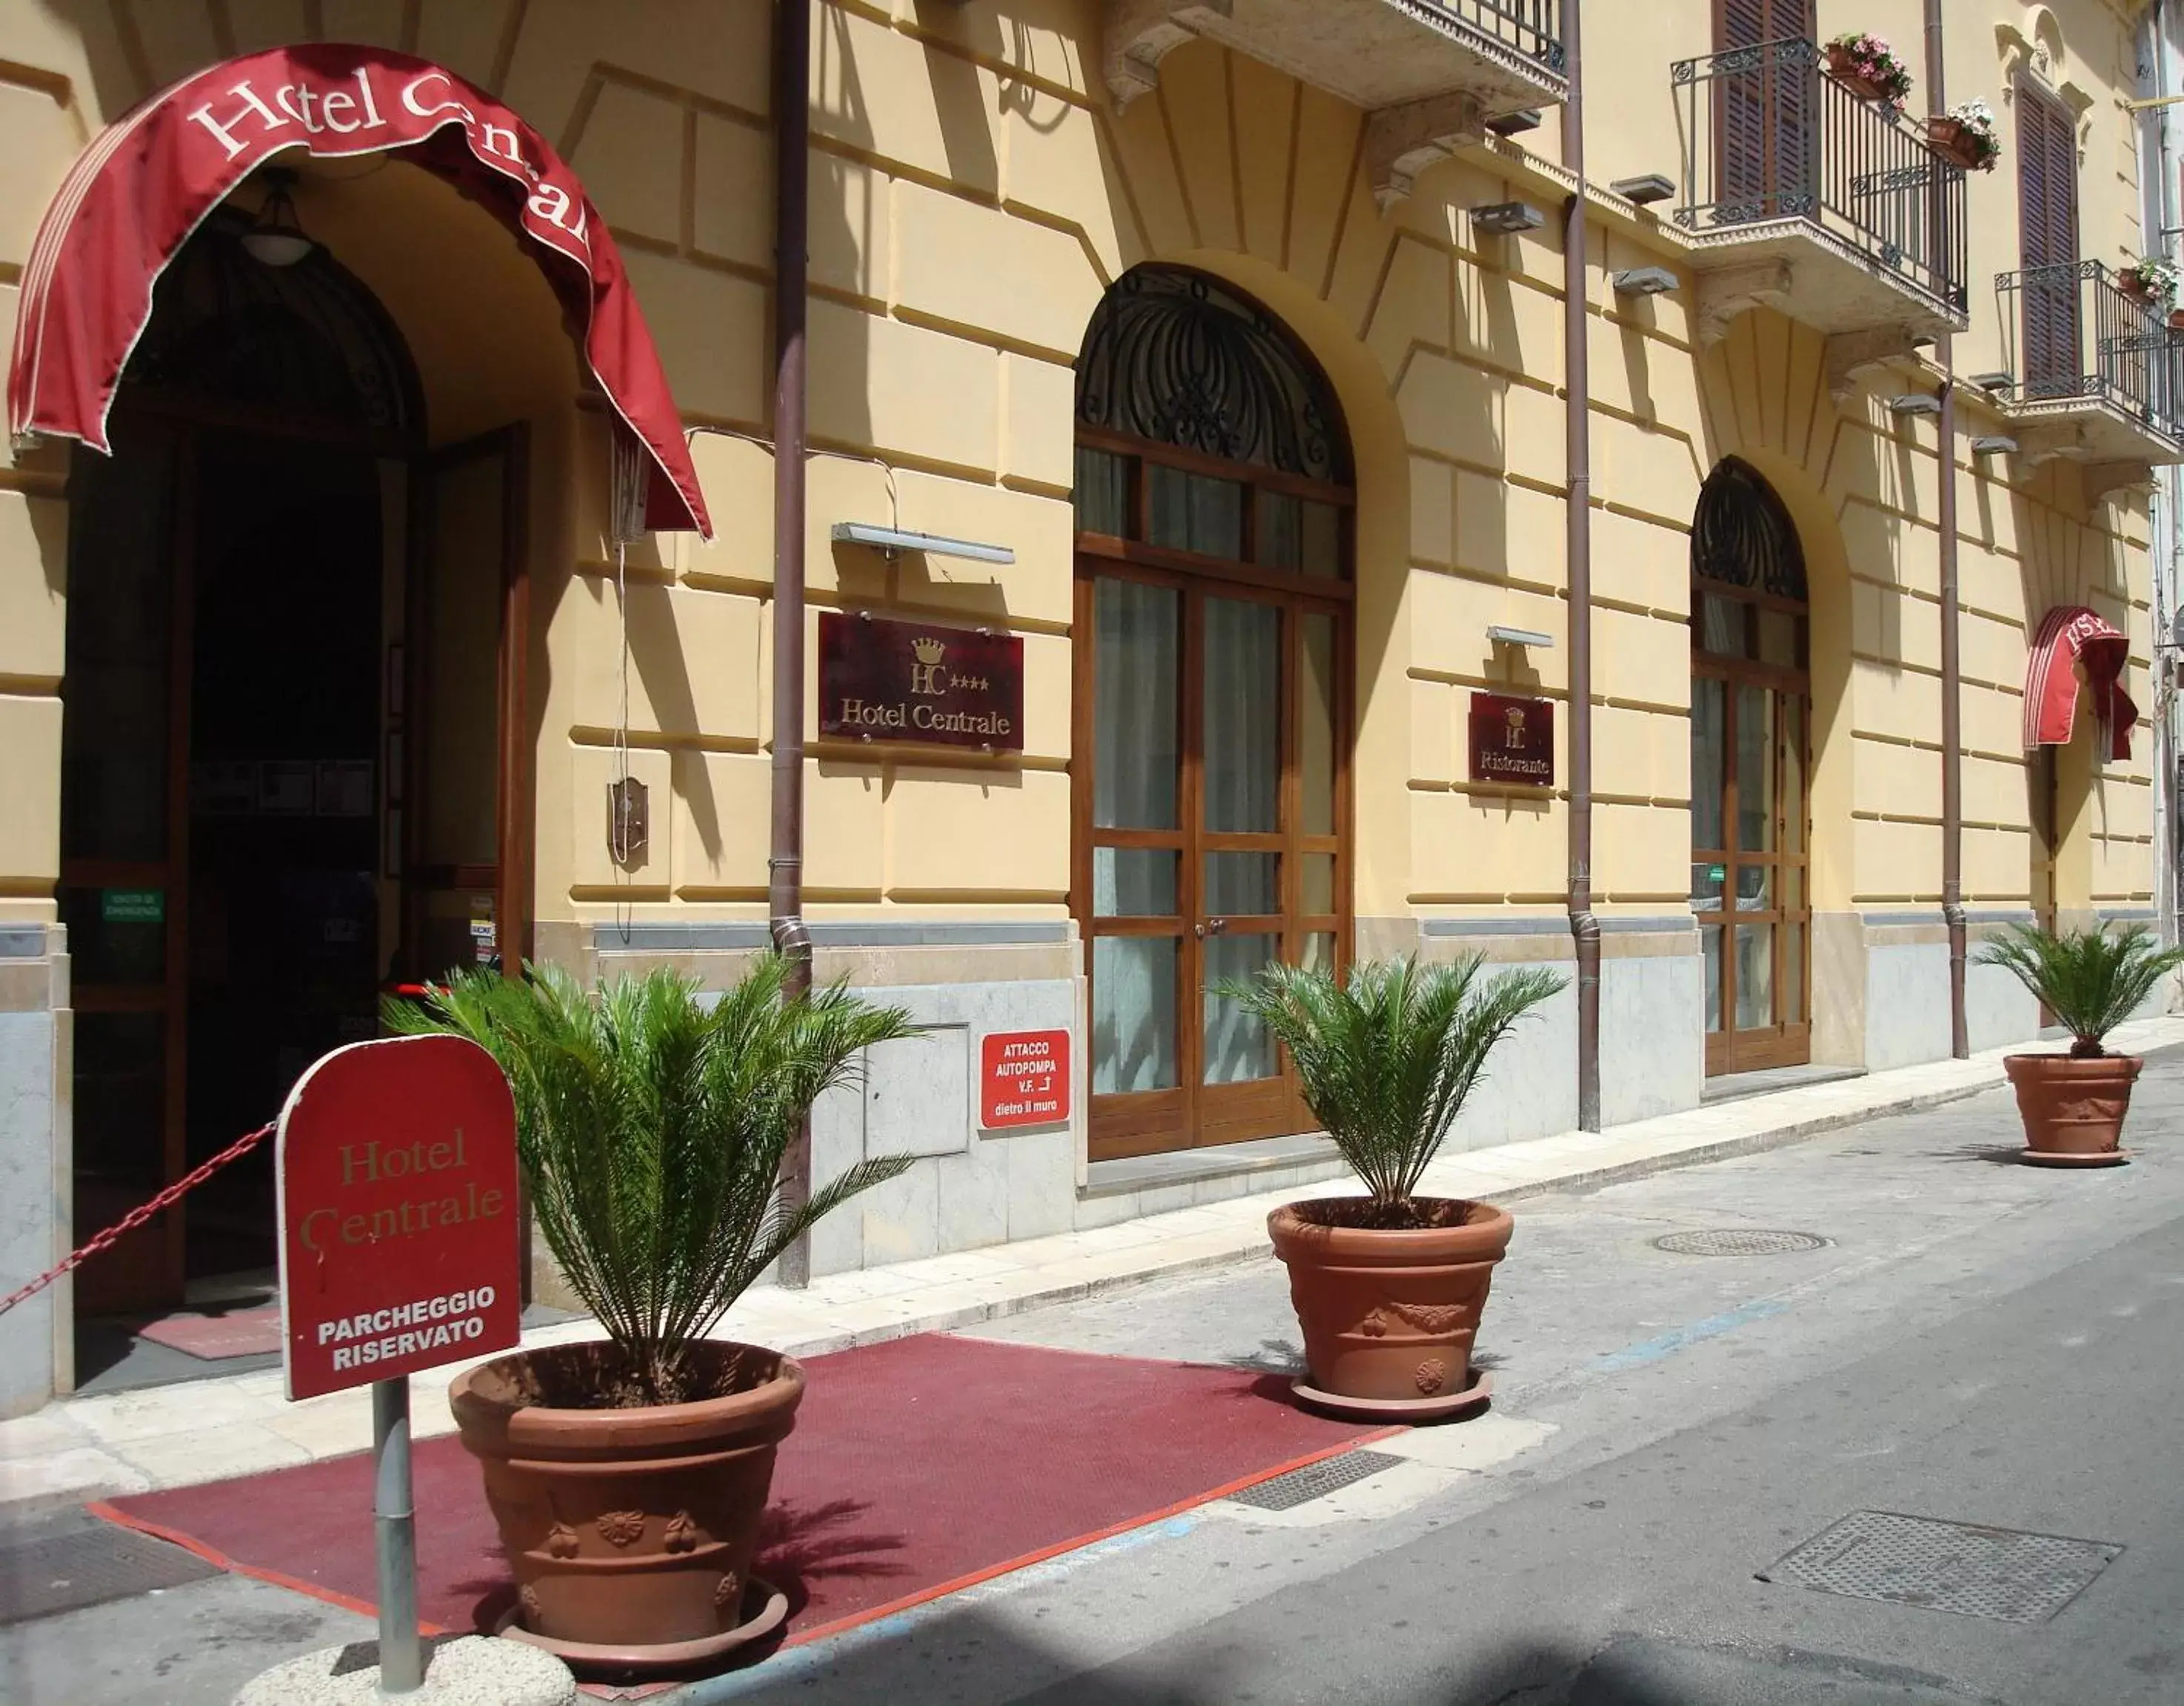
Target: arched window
[
  {"x": 1751, "y": 722},
  {"x": 1212, "y": 657}
]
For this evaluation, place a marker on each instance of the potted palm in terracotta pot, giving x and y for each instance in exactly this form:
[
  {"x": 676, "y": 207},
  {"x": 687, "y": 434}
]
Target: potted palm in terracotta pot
[
  {"x": 2073, "y": 1104},
  {"x": 1387, "y": 1287},
  {"x": 628, "y": 1477}
]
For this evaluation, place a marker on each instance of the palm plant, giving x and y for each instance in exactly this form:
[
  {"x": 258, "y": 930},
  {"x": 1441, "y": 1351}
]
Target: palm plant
[
  {"x": 650, "y": 1130},
  {"x": 2091, "y": 980},
  {"x": 1388, "y": 1057}
]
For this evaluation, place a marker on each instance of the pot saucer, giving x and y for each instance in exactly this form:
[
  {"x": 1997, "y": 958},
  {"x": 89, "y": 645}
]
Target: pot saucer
[
  {"x": 2099, "y": 1158},
  {"x": 766, "y": 1609},
  {"x": 1472, "y": 1399}
]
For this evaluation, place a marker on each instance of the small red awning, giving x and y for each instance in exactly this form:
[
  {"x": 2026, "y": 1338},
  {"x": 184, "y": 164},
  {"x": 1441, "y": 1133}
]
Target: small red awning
[
  {"x": 2070, "y": 634},
  {"x": 150, "y": 178}
]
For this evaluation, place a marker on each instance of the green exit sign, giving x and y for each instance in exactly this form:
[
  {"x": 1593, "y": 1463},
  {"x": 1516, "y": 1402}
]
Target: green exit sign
[{"x": 133, "y": 906}]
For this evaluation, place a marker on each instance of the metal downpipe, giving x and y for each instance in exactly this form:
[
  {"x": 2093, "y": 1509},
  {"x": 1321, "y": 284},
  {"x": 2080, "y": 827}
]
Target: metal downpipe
[
  {"x": 1953, "y": 760},
  {"x": 792, "y": 72},
  {"x": 1577, "y": 378}
]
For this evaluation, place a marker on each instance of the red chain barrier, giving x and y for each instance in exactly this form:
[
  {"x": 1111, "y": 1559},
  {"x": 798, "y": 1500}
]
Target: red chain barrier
[{"x": 136, "y": 1217}]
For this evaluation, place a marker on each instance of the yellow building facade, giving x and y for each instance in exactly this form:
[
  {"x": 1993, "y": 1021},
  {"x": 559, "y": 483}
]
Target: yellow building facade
[{"x": 1314, "y": 507}]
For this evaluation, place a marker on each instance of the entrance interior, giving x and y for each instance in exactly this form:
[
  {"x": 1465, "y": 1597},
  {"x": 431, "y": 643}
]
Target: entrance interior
[
  {"x": 1750, "y": 726},
  {"x": 262, "y": 825},
  {"x": 1213, "y": 605}
]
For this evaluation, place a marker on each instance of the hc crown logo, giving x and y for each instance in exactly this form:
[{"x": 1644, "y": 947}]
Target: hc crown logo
[
  {"x": 1513, "y": 737},
  {"x": 925, "y": 674}
]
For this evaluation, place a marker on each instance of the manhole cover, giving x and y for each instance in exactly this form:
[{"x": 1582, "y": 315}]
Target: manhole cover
[
  {"x": 1946, "y": 1566},
  {"x": 63, "y": 1572},
  {"x": 1314, "y": 1480},
  {"x": 1738, "y": 1241}
]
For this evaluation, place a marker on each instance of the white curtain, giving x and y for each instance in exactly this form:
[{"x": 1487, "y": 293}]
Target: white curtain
[{"x": 1243, "y": 773}]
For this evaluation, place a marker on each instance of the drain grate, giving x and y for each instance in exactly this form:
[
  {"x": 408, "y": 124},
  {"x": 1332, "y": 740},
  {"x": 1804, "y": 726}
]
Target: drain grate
[
  {"x": 1946, "y": 1566},
  {"x": 1738, "y": 1241},
  {"x": 64, "y": 1572},
  {"x": 1314, "y": 1480}
]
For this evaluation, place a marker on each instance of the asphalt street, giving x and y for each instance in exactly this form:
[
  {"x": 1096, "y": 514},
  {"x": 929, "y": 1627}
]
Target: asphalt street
[
  {"x": 1967, "y": 1341},
  {"x": 1977, "y": 1343}
]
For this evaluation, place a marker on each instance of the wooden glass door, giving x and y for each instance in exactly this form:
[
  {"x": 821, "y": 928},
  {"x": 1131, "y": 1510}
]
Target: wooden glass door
[
  {"x": 2047, "y": 239},
  {"x": 1214, "y": 847}
]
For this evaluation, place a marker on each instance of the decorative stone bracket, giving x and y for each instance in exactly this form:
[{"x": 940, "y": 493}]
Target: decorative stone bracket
[
  {"x": 2098, "y": 479},
  {"x": 1403, "y": 142},
  {"x": 2063, "y": 438},
  {"x": 1735, "y": 290},
  {"x": 1141, "y": 33},
  {"x": 1850, "y": 353}
]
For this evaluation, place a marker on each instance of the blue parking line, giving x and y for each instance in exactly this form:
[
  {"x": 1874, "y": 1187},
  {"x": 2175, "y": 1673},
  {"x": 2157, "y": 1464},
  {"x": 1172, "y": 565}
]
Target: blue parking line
[{"x": 1668, "y": 1344}]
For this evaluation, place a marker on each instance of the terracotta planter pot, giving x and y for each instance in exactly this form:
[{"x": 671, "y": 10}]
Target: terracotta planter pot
[
  {"x": 2073, "y": 1109},
  {"x": 1389, "y": 1317},
  {"x": 2176, "y": 319},
  {"x": 1841, "y": 67},
  {"x": 1950, "y": 140},
  {"x": 630, "y": 1532}
]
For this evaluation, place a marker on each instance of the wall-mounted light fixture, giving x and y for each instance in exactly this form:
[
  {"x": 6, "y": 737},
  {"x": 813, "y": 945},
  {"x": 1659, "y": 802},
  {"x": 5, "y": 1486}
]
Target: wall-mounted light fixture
[
  {"x": 275, "y": 236},
  {"x": 1994, "y": 445},
  {"x": 1643, "y": 280},
  {"x": 1646, "y": 187},
  {"x": 1507, "y": 219},
  {"x": 1915, "y": 403},
  {"x": 1520, "y": 637},
  {"x": 1991, "y": 381},
  {"x": 893, "y": 540},
  {"x": 1515, "y": 123}
]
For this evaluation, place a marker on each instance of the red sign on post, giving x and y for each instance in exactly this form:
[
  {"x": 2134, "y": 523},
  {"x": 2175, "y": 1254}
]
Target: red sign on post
[
  {"x": 1024, "y": 1078},
  {"x": 399, "y": 1247}
]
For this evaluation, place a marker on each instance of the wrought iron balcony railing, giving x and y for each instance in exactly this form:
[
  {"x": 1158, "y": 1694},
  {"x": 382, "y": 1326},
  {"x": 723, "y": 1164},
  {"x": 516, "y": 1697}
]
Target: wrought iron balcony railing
[
  {"x": 1769, "y": 137},
  {"x": 1532, "y": 28},
  {"x": 2081, "y": 335}
]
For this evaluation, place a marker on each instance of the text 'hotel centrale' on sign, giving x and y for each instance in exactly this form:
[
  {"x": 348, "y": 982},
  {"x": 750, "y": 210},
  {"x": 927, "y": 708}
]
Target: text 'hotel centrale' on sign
[
  {"x": 1513, "y": 739},
  {"x": 399, "y": 1243},
  {"x": 918, "y": 681}
]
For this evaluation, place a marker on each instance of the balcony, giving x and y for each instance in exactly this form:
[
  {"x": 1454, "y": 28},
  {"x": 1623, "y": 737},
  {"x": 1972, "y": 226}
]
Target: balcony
[
  {"x": 1802, "y": 196},
  {"x": 2097, "y": 375},
  {"x": 1431, "y": 73}
]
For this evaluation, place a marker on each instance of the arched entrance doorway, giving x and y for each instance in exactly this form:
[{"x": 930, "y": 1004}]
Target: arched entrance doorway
[
  {"x": 281, "y": 787},
  {"x": 1751, "y": 735},
  {"x": 296, "y": 738},
  {"x": 1212, "y": 810}
]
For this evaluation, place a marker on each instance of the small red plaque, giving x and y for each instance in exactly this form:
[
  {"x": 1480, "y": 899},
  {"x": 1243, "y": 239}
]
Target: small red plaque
[
  {"x": 1513, "y": 740},
  {"x": 399, "y": 1247},
  {"x": 1024, "y": 1079},
  {"x": 917, "y": 681}
]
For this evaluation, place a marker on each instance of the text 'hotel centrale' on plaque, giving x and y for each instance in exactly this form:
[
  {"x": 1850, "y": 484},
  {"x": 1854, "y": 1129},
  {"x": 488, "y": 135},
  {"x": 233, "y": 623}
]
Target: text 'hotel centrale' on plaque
[{"x": 883, "y": 680}]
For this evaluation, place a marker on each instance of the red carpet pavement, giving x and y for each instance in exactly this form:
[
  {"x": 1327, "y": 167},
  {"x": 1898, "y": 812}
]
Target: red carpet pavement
[
  {"x": 213, "y": 1335},
  {"x": 917, "y": 1467}
]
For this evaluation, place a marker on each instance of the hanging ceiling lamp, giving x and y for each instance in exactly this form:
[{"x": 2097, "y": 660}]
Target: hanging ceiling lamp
[{"x": 275, "y": 237}]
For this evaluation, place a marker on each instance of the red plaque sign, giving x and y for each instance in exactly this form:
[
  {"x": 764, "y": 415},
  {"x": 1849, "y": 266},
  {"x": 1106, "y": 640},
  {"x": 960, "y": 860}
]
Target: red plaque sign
[
  {"x": 914, "y": 680},
  {"x": 399, "y": 1248},
  {"x": 1513, "y": 739},
  {"x": 1023, "y": 1078}
]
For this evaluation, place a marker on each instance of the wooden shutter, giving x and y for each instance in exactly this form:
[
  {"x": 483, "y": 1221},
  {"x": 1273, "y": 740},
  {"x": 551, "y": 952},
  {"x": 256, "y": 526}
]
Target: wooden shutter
[
  {"x": 1766, "y": 118},
  {"x": 2047, "y": 237}
]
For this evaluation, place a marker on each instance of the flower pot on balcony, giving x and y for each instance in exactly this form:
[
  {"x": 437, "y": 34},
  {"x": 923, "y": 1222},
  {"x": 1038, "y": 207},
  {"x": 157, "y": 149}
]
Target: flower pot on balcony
[
  {"x": 2176, "y": 319},
  {"x": 1957, "y": 141},
  {"x": 1844, "y": 69}
]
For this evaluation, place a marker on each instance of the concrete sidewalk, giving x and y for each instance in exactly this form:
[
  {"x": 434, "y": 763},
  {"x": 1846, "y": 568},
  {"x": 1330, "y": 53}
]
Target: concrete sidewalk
[{"x": 210, "y": 1430}]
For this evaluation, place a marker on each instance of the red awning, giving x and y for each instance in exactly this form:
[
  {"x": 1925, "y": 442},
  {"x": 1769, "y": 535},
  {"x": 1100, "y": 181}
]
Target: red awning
[
  {"x": 2070, "y": 634},
  {"x": 148, "y": 179}
]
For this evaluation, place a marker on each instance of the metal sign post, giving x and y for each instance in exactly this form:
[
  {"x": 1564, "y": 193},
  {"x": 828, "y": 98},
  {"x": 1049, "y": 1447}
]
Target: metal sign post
[{"x": 394, "y": 1528}]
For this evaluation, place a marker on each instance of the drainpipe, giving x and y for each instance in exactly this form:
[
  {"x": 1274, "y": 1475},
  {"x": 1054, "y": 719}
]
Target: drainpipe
[
  {"x": 792, "y": 77},
  {"x": 1577, "y": 378},
  {"x": 1953, "y": 761},
  {"x": 2165, "y": 536}
]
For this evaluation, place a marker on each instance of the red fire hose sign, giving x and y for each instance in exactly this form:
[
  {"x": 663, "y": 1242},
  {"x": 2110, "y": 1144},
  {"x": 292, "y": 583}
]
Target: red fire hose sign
[
  {"x": 1024, "y": 1078},
  {"x": 399, "y": 1248}
]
